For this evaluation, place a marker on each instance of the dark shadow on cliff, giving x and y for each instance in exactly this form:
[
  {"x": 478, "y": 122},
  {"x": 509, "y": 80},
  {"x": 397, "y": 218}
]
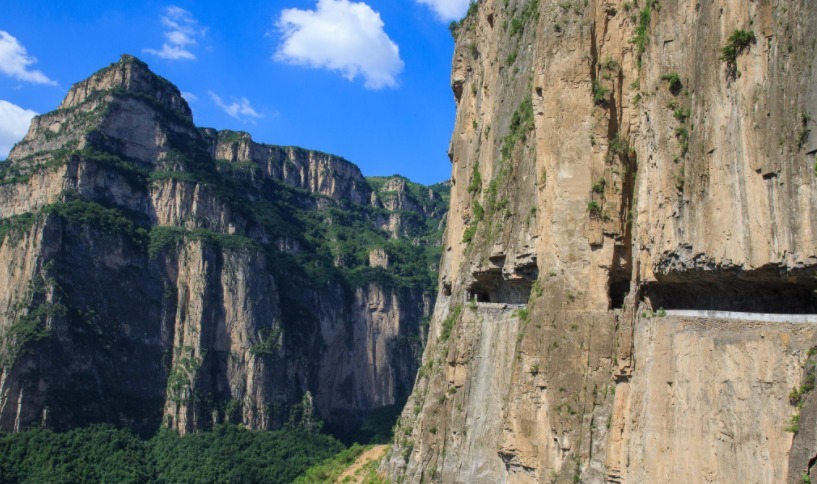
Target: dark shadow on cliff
[{"x": 375, "y": 428}]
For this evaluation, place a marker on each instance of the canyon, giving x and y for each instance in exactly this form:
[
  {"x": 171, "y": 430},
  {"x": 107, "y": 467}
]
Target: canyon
[
  {"x": 618, "y": 284},
  {"x": 159, "y": 274}
]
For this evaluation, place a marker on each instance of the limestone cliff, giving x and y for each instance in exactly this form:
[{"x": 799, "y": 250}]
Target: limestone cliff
[
  {"x": 613, "y": 162},
  {"x": 157, "y": 272}
]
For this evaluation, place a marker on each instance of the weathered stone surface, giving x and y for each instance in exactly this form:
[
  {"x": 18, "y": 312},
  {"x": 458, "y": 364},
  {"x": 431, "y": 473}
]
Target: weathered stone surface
[
  {"x": 723, "y": 386},
  {"x": 142, "y": 284},
  {"x": 589, "y": 188}
]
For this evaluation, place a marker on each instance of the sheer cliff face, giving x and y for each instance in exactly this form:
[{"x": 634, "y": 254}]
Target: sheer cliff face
[
  {"x": 612, "y": 161},
  {"x": 156, "y": 272}
]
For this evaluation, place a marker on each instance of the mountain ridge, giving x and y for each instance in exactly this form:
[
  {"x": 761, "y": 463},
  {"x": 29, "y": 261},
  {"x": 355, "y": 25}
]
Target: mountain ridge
[{"x": 163, "y": 274}]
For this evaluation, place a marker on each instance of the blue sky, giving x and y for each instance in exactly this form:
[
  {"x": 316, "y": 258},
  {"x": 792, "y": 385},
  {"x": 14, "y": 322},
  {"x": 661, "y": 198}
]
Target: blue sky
[{"x": 365, "y": 80}]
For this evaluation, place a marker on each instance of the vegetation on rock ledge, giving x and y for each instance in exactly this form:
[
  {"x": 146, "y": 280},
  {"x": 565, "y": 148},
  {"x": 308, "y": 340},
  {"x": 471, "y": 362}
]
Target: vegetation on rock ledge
[{"x": 738, "y": 43}]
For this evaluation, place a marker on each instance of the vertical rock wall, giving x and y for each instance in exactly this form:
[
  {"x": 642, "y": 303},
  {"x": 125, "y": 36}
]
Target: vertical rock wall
[
  {"x": 609, "y": 162},
  {"x": 157, "y": 273}
]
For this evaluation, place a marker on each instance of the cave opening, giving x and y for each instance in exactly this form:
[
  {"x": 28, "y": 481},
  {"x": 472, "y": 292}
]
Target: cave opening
[
  {"x": 494, "y": 287},
  {"x": 731, "y": 294},
  {"x": 618, "y": 292},
  {"x": 620, "y": 275}
]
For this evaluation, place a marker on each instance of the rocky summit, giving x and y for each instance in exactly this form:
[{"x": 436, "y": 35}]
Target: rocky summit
[{"x": 155, "y": 273}]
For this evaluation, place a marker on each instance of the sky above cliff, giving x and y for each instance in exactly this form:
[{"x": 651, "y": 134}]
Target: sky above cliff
[{"x": 365, "y": 80}]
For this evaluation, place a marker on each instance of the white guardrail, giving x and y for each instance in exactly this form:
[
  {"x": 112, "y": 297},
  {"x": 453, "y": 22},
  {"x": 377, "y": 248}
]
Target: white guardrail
[{"x": 765, "y": 317}]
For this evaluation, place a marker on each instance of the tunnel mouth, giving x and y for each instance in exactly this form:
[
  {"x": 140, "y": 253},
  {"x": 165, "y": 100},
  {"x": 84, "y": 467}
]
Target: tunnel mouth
[
  {"x": 492, "y": 286},
  {"x": 619, "y": 289},
  {"x": 752, "y": 293}
]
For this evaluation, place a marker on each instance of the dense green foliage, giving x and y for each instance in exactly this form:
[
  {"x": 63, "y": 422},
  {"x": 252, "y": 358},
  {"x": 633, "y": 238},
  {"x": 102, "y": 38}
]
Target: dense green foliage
[
  {"x": 232, "y": 454},
  {"x": 349, "y": 236},
  {"x": 92, "y": 214},
  {"x": 102, "y": 453},
  {"x": 162, "y": 237},
  {"x": 93, "y": 454},
  {"x": 469, "y": 233},
  {"x": 133, "y": 174},
  {"x": 412, "y": 260},
  {"x": 599, "y": 93},
  {"x": 738, "y": 42},
  {"x": 674, "y": 81},
  {"x": 478, "y": 210},
  {"x": 642, "y": 29},
  {"x": 681, "y": 114},
  {"x": 21, "y": 170},
  {"x": 594, "y": 209},
  {"x": 598, "y": 186},
  {"x": 269, "y": 342},
  {"x": 335, "y": 236}
]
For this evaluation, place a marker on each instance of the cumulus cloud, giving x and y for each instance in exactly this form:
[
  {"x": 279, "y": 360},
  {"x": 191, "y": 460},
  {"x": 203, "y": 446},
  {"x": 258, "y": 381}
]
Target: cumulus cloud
[
  {"x": 239, "y": 109},
  {"x": 447, "y": 10},
  {"x": 15, "y": 61},
  {"x": 181, "y": 32},
  {"x": 14, "y": 122},
  {"x": 342, "y": 36}
]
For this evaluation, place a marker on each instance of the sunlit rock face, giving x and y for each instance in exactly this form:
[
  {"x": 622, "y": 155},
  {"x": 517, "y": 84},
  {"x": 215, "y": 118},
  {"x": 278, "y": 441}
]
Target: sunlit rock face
[
  {"x": 156, "y": 273},
  {"x": 613, "y": 162}
]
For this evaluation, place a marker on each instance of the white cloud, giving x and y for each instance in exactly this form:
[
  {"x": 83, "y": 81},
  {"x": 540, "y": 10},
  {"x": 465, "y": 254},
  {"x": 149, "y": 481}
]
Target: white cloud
[
  {"x": 447, "y": 10},
  {"x": 182, "y": 32},
  {"x": 14, "y": 122},
  {"x": 15, "y": 61},
  {"x": 240, "y": 109},
  {"x": 343, "y": 36},
  {"x": 189, "y": 96}
]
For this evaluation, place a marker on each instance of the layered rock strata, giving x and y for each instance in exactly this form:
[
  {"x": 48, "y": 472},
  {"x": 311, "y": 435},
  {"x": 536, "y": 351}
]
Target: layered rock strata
[
  {"x": 155, "y": 272},
  {"x": 612, "y": 161}
]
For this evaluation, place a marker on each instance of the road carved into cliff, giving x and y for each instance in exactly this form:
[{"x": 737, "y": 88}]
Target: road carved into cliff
[{"x": 765, "y": 317}]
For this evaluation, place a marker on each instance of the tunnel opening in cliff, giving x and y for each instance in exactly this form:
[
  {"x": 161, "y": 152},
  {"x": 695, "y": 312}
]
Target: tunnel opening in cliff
[
  {"x": 494, "y": 287},
  {"x": 620, "y": 275},
  {"x": 619, "y": 288},
  {"x": 732, "y": 294}
]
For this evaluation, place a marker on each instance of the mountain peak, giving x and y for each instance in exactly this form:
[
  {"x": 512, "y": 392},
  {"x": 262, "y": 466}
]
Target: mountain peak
[{"x": 132, "y": 76}]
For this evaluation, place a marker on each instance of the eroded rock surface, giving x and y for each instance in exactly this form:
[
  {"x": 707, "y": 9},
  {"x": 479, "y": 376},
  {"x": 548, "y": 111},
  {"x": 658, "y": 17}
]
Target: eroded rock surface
[
  {"x": 610, "y": 161},
  {"x": 155, "y": 272}
]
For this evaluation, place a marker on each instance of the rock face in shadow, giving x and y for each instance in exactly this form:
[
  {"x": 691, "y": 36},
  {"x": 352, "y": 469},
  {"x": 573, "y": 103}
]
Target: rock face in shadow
[
  {"x": 612, "y": 160},
  {"x": 158, "y": 273}
]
